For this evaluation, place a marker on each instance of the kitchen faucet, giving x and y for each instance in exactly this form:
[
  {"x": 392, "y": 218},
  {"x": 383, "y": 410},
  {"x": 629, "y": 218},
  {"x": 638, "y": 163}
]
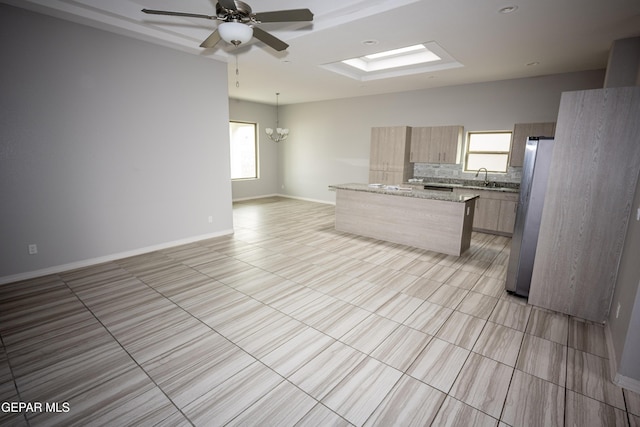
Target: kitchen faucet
[{"x": 486, "y": 181}]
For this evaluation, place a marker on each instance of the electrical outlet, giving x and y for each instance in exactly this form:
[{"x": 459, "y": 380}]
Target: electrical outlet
[
  {"x": 618, "y": 311},
  {"x": 33, "y": 249},
  {"x": 210, "y": 219}
]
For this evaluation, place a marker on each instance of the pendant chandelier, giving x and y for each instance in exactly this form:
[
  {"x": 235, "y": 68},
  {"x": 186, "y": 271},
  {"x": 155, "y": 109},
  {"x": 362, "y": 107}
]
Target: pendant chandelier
[{"x": 280, "y": 134}]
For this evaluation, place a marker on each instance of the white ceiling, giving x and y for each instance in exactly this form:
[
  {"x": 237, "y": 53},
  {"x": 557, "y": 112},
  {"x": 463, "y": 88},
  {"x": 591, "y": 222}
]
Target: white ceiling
[{"x": 559, "y": 35}]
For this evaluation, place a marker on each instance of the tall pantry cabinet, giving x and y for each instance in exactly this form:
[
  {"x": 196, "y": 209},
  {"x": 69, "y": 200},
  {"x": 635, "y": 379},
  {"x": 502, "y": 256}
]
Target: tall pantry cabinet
[
  {"x": 588, "y": 204},
  {"x": 389, "y": 158}
]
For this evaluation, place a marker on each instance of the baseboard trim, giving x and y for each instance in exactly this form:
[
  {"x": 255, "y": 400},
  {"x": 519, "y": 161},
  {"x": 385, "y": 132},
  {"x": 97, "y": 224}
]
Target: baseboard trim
[
  {"x": 107, "y": 258},
  {"x": 287, "y": 196},
  {"x": 618, "y": 379},
  {"x": 630, "y": 384},
  {"x": 264, "y": 196},
  {"x": 306, "y": 199},
  {"x": 611, "y": 352}
]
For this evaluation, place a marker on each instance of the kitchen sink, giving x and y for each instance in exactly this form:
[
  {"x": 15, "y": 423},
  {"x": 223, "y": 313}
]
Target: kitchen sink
[{"x": 438, "y": 187}]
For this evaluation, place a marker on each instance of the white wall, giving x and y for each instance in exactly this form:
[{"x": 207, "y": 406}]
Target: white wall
[
  {"x": 109, "y": 144},
  {"x": 264, "y": 116},
  {"x": 329, "y": 141}
]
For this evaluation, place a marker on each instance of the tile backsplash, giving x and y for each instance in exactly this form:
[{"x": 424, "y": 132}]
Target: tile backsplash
[{"x": 437, "y": 170}]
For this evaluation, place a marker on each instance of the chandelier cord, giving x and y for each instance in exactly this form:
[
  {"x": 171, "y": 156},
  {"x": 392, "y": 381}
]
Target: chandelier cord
[{"x": 277, "y": 110}]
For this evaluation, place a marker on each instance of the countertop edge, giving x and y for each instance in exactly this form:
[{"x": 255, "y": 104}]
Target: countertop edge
[
  {"x": 413, "y": 193},
  {"x": 465, "y": 186}
]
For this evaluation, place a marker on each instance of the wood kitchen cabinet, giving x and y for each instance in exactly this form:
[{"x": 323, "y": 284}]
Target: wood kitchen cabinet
[
  {"x": 522, "y": 131},
  {"x": 387, "y": 177},
  {"x": 436, "y": 144},
  {"x": 421, "y": 151},
  {"x": 487, "y": 211},
  {"x": 448, "y": 139},
  {"x": 389, "y": 155},
  {"x": 507, "y": 216},
  {"x": 434, "y": 222},
  {"x": 377, "y": 158},
  {"x": 589, "y": 202},
  {"x": 495, "y": 211}
]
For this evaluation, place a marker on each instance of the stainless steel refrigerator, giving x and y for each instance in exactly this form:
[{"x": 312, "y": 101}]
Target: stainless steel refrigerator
[{"x": 535, "y": 171}]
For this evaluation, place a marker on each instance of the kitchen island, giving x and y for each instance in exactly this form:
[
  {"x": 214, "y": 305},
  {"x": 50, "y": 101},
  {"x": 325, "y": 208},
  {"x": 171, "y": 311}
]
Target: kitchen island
[{"x": 432, "y": 220}]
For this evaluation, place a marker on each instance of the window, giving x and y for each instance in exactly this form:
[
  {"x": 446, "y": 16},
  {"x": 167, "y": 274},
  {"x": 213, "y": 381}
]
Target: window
[
  {"x": 488, "y": 150},
  {"x": 244, "y": 150}
]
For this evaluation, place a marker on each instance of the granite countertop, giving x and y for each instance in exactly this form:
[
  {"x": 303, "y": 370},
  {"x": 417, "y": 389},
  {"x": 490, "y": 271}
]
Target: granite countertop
[
  {"x": 505, "y": 187},
  {"x": 404, "y": 191}
]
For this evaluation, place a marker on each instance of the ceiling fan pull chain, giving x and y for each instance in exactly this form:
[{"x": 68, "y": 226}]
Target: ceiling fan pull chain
[{"x": 237, "y": 72}]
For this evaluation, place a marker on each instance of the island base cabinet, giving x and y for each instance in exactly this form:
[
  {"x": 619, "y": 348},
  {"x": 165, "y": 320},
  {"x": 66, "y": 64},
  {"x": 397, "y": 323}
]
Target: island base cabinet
[{"x": 436, "y": 225}]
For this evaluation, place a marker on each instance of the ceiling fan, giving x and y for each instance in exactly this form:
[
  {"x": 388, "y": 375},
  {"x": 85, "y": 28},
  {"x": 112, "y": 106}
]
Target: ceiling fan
[{"x": 239, "y": 23}]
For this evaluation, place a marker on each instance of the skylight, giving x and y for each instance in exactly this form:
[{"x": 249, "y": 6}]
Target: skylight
[
  {"x": 411, "y": 55},
  {"x": 414, "y": 59},
  {"x": 396, "y": 51}
]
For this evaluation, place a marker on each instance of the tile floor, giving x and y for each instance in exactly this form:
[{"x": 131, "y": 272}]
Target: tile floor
[{"x": 289, "y": 322}]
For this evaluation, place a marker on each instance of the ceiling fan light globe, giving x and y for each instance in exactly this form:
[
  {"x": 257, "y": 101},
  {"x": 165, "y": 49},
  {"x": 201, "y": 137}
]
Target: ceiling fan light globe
[{"x": 235, "y": 33}]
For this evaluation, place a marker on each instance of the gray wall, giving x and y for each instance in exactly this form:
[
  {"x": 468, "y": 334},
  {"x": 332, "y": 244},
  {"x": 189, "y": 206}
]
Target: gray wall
[
  {"x": 109, "y": 145},
  {"x": 622, "y": 69},
  {"x": 329, "y": 141},
  {"x": 264, "y": 116},
  {"x": 624, "y": 329}
]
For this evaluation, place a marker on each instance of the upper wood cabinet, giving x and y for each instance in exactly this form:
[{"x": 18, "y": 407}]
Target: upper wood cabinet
[
  {"x": 449, "y": 142},
  {"x": 389, "y": 156},
  {"x": 421, "y": 151},
  {"x": 522, "y": 131},
  {"x": 436, "y": 144}
]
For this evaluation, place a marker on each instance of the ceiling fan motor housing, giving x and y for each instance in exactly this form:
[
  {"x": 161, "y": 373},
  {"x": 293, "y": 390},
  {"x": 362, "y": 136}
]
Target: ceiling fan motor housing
[{"x": 242, "y": 13}]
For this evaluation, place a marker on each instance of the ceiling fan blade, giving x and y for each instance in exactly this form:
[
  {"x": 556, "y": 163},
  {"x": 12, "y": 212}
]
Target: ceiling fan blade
[
  {"x": 285, "y": 15},
  {"x": 166, "y": 12},
  {"x": 228, "y": 4},
  {"x": 268, "y": 39},
  {"x": 212, "y": 40}
]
